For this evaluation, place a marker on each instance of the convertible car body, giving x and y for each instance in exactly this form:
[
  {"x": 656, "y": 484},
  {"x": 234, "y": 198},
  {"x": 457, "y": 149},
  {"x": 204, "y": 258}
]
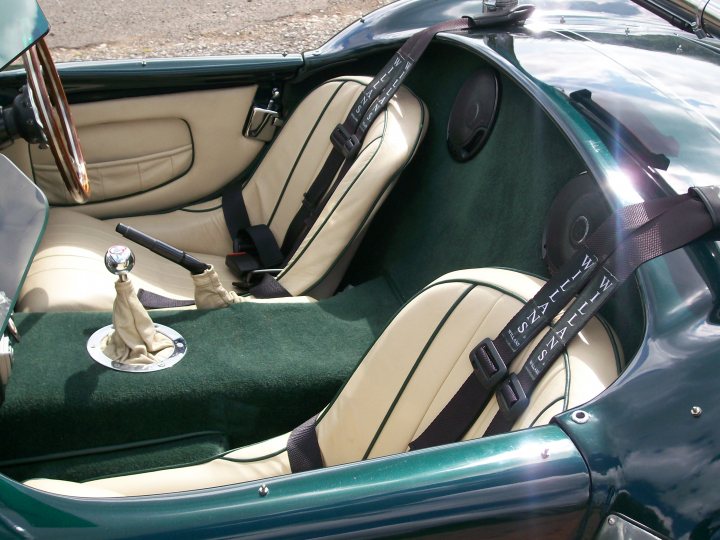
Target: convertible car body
[{"x": 623, "y": 95}]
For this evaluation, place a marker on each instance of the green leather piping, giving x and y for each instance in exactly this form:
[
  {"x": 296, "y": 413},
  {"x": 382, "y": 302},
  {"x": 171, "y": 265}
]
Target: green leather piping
[
  {"x": 201, "y": 211},
  {"x": 329, "y": 215},
  {"x": 410, "y": 374},
  {"x": 372, "y": 208},
  {"x": 553, "y": 402},
  {"x": 105, "y": 449},
  {"x": 222, "y": 456},
  {"x": 568, "y": 375},
  {"x": 302, "y": 150}
]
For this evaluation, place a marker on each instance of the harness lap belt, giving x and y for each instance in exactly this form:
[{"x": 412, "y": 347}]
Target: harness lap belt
[
  {"x": 347, "y": 138},
  {"x": 630, "y": 237}
]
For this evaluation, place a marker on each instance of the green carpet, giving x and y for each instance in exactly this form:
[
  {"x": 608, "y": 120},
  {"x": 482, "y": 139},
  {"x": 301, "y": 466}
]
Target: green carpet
[
  {"x": 252, "y": 371},
  {"x": 444, "y": 215}
]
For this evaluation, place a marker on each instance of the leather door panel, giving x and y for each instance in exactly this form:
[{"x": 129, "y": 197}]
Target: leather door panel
[
  {"x": 119, "y": 162},
  {"x": 152, "y": 153}
]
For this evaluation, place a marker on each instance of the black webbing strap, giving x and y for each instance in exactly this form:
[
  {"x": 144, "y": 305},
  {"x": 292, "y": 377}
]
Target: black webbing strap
[
  {"x": 347, "y": 138},
  {"x": 269, "y": 287},
  {"x": 303, "y": 448},
  {"x": 263, "y": 242},
  {"x": 254, "y": 248},
  {"x": 632, "y": 228},
  {"x": 686, "y": 222},
  {"x": 234, "y": 210}
]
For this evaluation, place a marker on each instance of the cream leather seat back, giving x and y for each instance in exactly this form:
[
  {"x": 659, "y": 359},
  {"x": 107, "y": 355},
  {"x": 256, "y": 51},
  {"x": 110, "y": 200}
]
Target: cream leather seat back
[
  {"x": 68, "y": 271},
  {"x": 404, "y": 380}
]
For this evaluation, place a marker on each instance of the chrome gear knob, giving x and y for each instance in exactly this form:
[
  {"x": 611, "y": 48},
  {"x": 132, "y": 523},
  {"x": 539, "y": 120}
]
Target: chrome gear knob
[{"x": 119, "y": 260}]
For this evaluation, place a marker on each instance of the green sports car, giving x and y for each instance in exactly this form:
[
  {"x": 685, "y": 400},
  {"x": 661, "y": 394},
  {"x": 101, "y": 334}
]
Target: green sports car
[{"x": 452, "y": 274}]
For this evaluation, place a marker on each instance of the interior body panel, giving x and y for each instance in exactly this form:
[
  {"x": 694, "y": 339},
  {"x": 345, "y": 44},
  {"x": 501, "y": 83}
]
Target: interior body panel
[{"x": 152, "y": 153}]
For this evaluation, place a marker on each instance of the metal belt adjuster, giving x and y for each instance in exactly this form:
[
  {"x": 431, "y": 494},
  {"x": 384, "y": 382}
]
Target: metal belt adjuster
[
  {"x": 344, "y": 141},
  {"x": 511, "y": 398},
  {"x": 489, "y": 368}
]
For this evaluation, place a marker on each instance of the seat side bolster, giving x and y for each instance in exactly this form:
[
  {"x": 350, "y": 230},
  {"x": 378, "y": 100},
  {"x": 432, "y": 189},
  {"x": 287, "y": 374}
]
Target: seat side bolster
[{"x": 261, "y": 460}]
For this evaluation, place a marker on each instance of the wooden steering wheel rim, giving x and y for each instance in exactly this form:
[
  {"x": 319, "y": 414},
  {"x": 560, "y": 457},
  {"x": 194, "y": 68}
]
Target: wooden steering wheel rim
[{"x": 54, "y": 115}]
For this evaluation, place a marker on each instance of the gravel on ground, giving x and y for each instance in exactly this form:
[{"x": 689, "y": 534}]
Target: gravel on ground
[{"x": 115, "y": 29}]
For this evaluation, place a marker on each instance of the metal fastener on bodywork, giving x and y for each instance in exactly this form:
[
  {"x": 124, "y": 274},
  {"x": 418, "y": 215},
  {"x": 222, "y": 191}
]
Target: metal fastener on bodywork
[
  {"x": 263, "y": 490},
  {"x": 696, "y": 411},
  {"x": 545, "y": 453},
  {"x": 611, "y": 520},
  {"x": 580, "y": 417},
  {"x": 562, "y": 19}
]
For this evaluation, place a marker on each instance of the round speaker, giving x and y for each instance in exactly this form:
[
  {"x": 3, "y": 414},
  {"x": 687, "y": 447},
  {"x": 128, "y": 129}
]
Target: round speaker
[
  {"x": 577, "y": 211},
  {"x": 473, "y": 114}
]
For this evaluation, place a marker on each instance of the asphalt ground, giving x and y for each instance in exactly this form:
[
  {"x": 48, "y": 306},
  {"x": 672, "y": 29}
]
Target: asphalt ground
[{"x": 113, "y": 29}]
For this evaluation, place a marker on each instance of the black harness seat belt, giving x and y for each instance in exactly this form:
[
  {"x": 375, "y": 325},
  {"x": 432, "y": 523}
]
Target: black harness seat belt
[
  {"x": 346, "y": 139},
  {"x": 630, "y": 237}
]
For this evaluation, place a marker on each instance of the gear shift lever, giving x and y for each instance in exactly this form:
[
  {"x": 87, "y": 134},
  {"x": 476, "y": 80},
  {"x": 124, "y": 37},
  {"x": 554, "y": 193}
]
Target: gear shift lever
[
  {"x": 133, "y": 343},
  {"x": 120, "y": 260}
]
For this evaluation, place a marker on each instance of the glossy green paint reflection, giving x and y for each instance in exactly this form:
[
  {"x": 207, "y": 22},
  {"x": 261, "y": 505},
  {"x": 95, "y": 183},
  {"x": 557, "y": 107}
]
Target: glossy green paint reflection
[
  {"x": 95, "y": 81},
  {"x": 533, "y": 480},
  {"x": 22, "y": 22}
]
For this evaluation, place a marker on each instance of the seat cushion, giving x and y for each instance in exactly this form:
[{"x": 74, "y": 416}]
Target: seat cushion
[
  {"x": 262, "y": 460},
  {"x": 405, "y": 379},
  {"x": 68, "y": 272}
]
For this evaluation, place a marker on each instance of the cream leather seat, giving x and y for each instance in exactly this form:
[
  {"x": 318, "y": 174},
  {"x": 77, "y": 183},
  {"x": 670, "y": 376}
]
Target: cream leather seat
[
  {"x": 68, "y": 271},
  {"x": 404, "y": 380}
]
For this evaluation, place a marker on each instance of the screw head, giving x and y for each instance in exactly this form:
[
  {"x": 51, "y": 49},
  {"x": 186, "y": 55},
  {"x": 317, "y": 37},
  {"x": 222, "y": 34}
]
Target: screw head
[
  {"x": 611, "y": 520},
  {"x": 696, "y": 411},
  {"x": 545, "y": 453},
  {"x": 263, "y": 490}
]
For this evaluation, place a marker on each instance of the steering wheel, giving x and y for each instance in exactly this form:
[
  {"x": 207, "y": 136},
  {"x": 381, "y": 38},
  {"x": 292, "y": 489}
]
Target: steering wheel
[{"x": 53, "y": 112}]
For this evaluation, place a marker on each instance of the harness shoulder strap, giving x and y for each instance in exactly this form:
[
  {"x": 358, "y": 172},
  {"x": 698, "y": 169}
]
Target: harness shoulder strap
[
  {"x": 630, "y": 237},
  {"x": 347, "y": 137}
]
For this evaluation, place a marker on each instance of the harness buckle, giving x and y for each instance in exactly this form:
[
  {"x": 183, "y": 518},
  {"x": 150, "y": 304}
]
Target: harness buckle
[
  {"x": 511, "y": 398},
  {"x": 489, "y": 368},
  {"x": 344, "y": 141}
]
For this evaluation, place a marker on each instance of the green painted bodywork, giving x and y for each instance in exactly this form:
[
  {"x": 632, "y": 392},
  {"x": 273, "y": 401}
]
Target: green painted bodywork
[
  {"x": 22, "y": 23},
  {"x": 532, "y": 480}
]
